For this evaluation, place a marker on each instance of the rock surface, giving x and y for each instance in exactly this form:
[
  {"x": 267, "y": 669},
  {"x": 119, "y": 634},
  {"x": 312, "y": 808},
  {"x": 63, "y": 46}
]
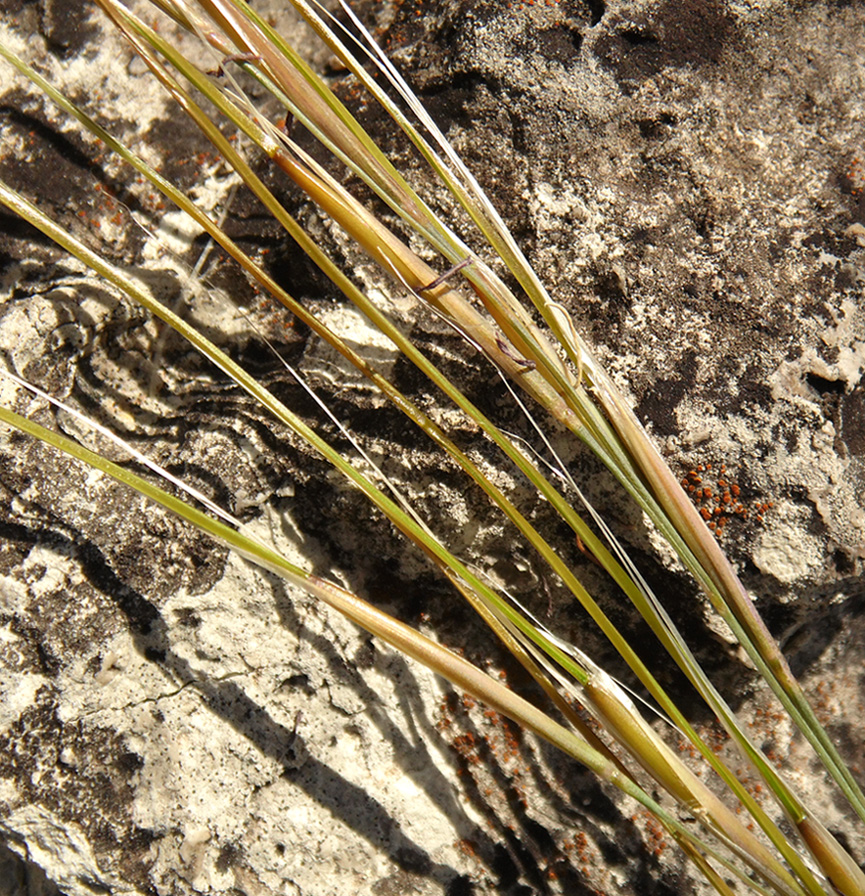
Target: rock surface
[{"x": 685, "y": 176}]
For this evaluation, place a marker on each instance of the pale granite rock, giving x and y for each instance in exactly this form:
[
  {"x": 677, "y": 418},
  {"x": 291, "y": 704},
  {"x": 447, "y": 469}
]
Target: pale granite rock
[{"x": 175, "y": 722}]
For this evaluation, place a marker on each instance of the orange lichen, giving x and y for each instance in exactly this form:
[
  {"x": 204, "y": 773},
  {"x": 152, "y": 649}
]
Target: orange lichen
[
  {"x": 720, "y": 504},
  {"x": 856, "y": 176}
]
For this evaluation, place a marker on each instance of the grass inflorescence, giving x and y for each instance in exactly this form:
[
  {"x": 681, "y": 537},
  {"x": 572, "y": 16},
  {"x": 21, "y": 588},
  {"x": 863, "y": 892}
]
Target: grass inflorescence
[{"x": 229, "y": 72}]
